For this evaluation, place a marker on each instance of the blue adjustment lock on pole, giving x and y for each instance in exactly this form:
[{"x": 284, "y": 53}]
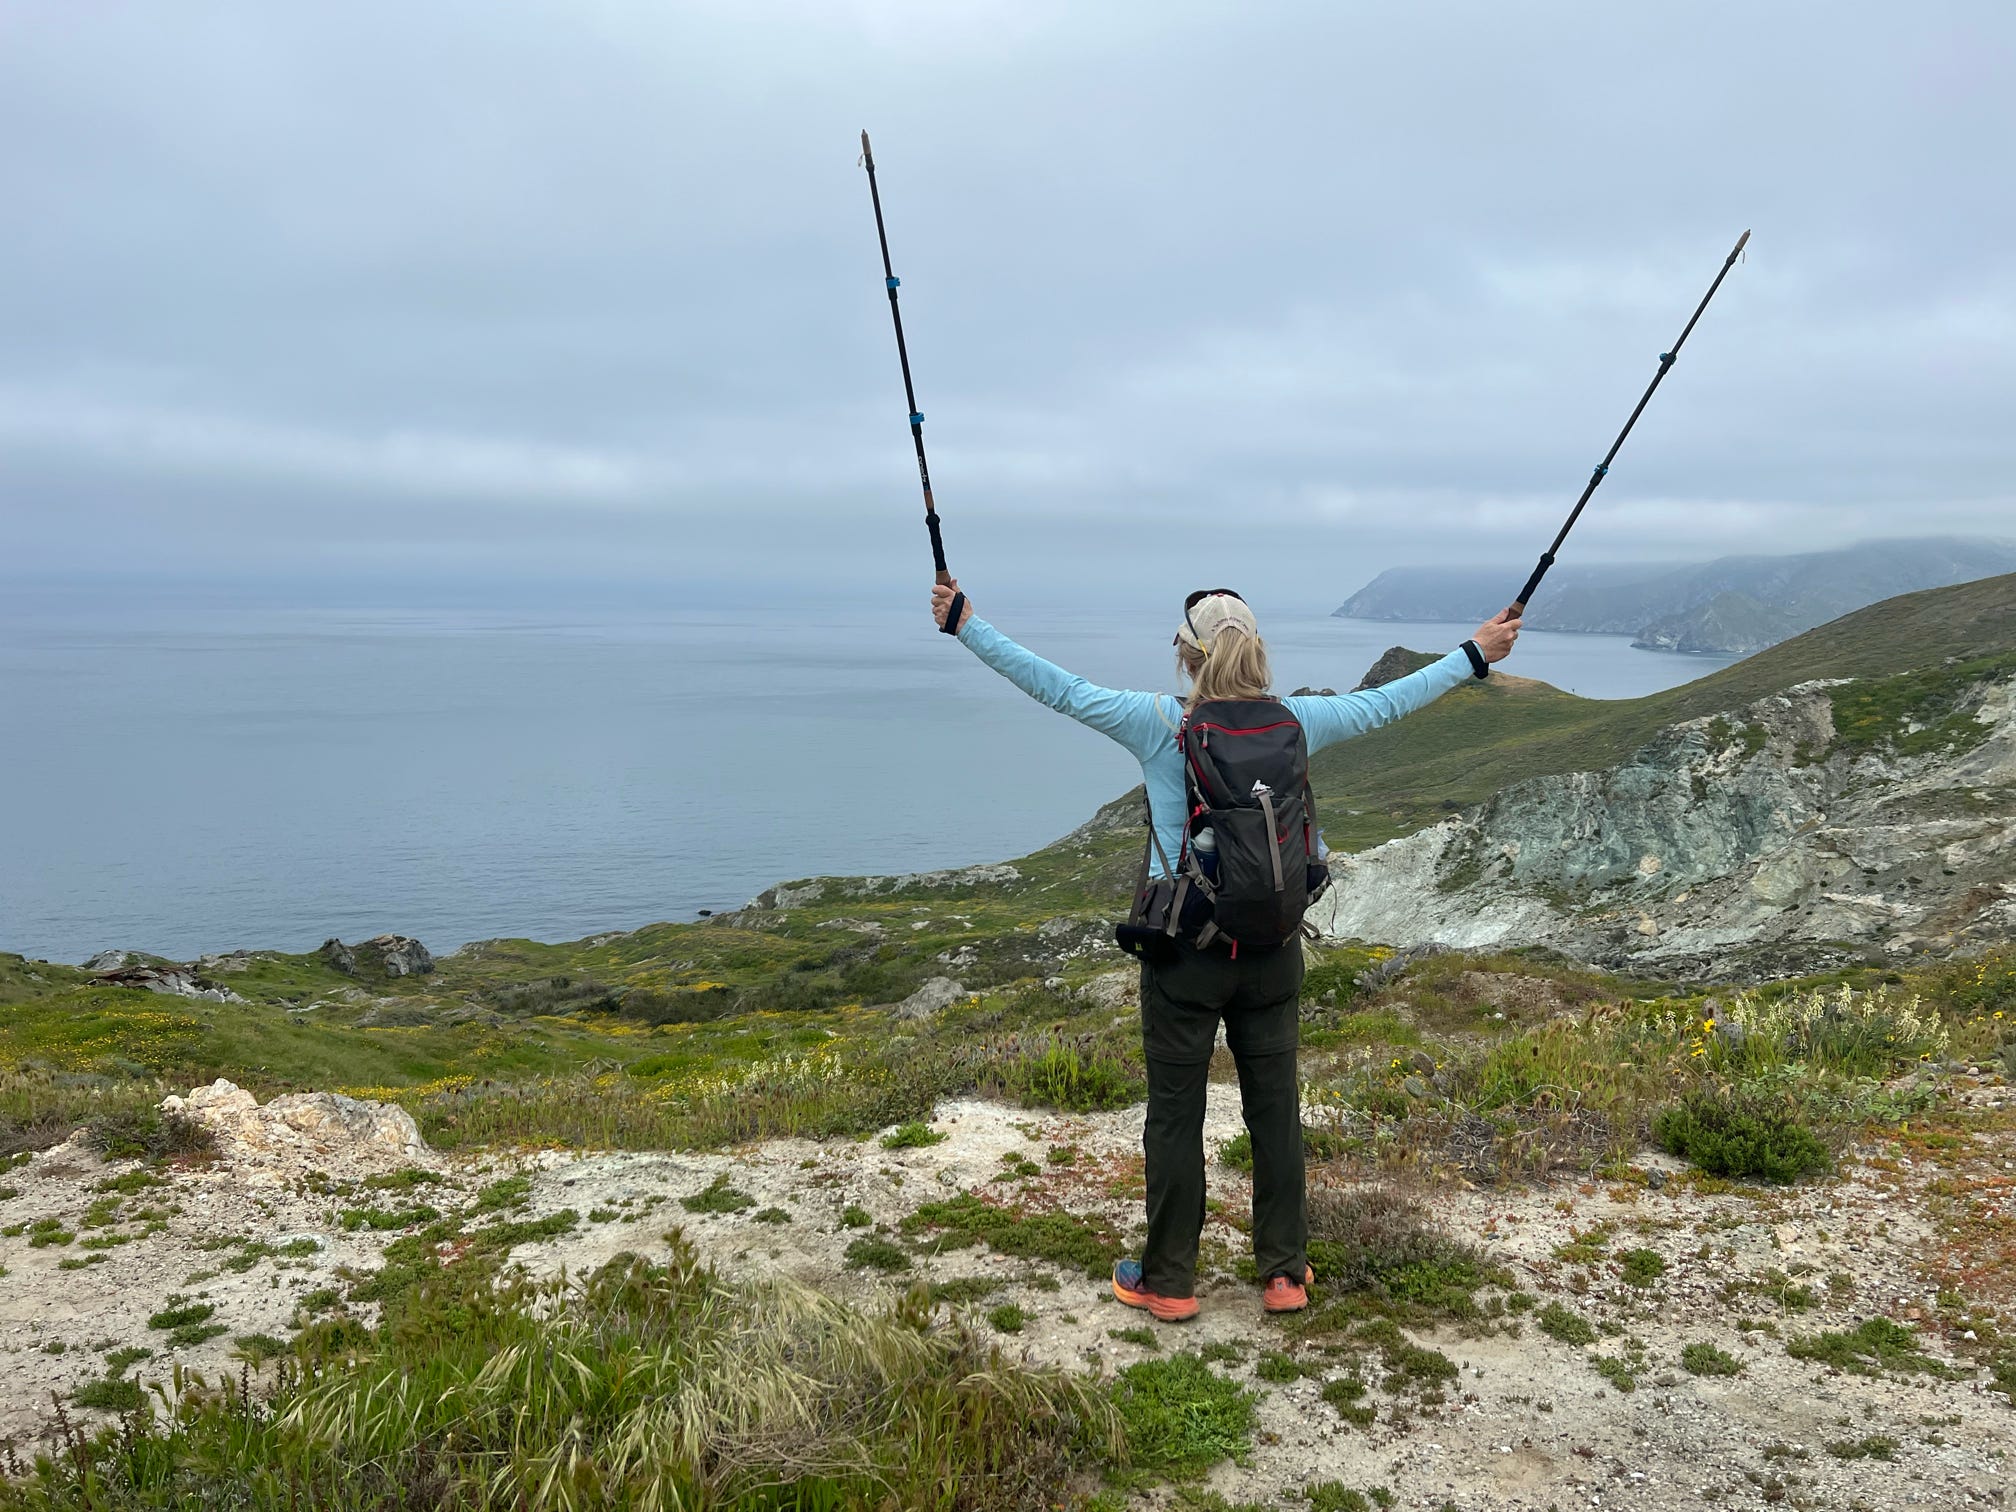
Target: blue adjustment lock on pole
[
  {"x": 892, "y": 281},
  {"x": 916, "y": 419}
]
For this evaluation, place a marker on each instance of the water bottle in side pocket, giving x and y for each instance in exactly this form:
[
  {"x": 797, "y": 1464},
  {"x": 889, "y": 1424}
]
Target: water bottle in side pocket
[{"x": 1204, "y": 845}]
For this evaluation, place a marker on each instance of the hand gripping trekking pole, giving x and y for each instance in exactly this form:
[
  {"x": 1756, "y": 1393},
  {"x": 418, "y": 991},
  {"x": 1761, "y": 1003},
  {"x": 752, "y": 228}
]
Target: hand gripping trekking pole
[
  {"x": 1518, "y": 605},
  {"x": 890, "y": 281}
]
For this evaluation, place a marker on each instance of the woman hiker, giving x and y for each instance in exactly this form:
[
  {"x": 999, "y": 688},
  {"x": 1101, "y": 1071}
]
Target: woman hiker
[{"x": 1255, "y": 991}]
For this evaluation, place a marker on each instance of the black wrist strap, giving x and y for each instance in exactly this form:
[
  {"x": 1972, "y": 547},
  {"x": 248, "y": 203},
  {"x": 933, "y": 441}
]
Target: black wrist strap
[
  {"x": 958, "y": 607},
  {"x": 1478, "y": 666}
]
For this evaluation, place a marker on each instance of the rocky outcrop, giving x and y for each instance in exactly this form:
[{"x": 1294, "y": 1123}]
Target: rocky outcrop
[
  {"x": 931, "y": 999},
  {"x": 1395, "y": 662},
  {"x": 301, "y": 1131},
  {"x": 788, "y": 895},
  {"x": 1747, "y": 842},
  {"x": 385, "y": 955},
  {"x": 161, "y": 976}
]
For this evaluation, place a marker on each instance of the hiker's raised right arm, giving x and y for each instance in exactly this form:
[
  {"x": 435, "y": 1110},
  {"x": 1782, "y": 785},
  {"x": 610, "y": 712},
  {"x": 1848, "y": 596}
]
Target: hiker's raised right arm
[
  {"x": 1127, "y": 717},
  {"x": 1340, "y": 716}
]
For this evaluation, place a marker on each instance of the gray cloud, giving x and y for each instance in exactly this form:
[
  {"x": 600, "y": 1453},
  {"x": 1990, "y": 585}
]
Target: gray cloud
[{"x": 591, "y": 290}]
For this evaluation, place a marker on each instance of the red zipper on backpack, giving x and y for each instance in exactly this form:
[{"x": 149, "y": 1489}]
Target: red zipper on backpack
[{"x": 1280, "y": 724}]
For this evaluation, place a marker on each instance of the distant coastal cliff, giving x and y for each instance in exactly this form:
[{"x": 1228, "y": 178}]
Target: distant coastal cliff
[{"x": 1728, "y": 607}]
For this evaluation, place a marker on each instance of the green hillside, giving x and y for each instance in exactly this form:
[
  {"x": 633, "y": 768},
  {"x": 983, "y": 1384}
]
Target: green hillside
[{"x": 1467, "y": 746}]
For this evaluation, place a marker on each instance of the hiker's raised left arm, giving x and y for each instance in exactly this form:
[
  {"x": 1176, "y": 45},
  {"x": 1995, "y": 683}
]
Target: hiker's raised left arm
[{"x": 1127, "y": 717}]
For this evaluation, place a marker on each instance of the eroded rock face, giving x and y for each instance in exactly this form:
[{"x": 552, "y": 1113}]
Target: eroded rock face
[
  {"x": 301, "y": 1131},
  {"x": 1730, "y": 844}
]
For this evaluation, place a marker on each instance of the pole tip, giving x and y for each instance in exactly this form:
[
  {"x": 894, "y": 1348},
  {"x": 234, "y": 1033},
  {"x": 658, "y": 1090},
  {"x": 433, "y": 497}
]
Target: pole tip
[
  {"x": 1741, "y": 241},
  {"x": 865, "y": 153}
]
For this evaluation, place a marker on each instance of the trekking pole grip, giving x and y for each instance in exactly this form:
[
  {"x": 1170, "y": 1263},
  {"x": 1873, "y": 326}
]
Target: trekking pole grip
[{"x": 1518, "y": 606}]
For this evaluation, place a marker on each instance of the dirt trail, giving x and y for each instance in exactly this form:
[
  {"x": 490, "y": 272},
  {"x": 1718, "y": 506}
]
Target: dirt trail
[{"x": 1529, "y": 1424}]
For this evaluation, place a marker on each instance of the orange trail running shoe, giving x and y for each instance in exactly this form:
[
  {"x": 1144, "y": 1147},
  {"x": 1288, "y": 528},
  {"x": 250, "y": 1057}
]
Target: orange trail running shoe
[
  {"x": 1284, "y": 1296},
  {"x": 1128, "y": 1287}
]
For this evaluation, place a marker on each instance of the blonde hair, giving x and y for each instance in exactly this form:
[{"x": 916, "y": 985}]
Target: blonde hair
[{"x": 1236, "y": 667}]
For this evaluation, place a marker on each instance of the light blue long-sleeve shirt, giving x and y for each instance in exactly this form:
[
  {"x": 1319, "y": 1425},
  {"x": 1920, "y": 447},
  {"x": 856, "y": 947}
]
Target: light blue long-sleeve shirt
[{"x": 1146, "y": 723}]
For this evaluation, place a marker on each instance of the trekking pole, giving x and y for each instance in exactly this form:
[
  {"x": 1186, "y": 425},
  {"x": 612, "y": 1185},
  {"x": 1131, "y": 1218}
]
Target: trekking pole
[
  {"x": 1518, "y": 605},
  {"x": 890, "y": 281}
]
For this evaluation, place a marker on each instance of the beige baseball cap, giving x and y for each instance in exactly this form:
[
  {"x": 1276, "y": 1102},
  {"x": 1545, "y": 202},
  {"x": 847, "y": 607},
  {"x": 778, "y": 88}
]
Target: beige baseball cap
[{"x": 1209, "y": 611}]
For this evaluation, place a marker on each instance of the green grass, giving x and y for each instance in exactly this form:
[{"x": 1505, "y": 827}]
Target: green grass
[
  {"x": 108, "y": 1394},
  {"x": 1181, "y": 1417},
  {"x": 1139, "y": 1335},
  {"x": 690, "y": 1388},
  {"x": 1705, "y": 1359},
  {"x": 1008, "y": 1318},
  {"x": 963, "y": 1291},
  {"x": 912, "y": 1136},
  {"x": 1872, "y": 1347},
  {"x": 1642, "y": 1267},
  {"x": 877, "y": 1254},
  {"x": 1075, "y": 1079},
  {"x": 1082, "y": 1244},
  {"x": 1277, "y": 1368},
  {"x": 190, "y": 1335},
  {"x": 1917, "y": 712},
  {"x": 1618, "y": 1371},
  {"x": 717, "y": 1197},
  {"x": 179, "y": 1313},
  {"x": 257, "y": 1348},
  {"x": 1335, "y": 1496},
  {"x": 1345, "y": 1392}
]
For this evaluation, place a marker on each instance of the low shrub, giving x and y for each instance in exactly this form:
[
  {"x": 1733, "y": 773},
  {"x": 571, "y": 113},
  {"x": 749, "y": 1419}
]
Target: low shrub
[
  {"x": 1876, "y": 1446},
  {"x": 876, "y": 1254},
  {"x": 1373, "y": 1239},
  {"x": 717, "y": 1197},
  {"x": 1728, "y": 1135},
  {"x": 145, "y": 1133},
  {"x": 1704, "y": 1359},
  {"x": 1642, "y": 1267},
  {"x": 1559, "y": 1322}
]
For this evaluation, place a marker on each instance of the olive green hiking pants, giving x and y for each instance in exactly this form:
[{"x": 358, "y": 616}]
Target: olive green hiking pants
[{"x": 1182, "y": 1002}]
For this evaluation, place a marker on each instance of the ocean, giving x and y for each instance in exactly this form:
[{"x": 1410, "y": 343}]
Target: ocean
[{"x": 183, "y": 775}]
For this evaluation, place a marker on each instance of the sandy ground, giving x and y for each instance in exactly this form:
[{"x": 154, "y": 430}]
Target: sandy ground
[{"x": 1530, "y": 1425}]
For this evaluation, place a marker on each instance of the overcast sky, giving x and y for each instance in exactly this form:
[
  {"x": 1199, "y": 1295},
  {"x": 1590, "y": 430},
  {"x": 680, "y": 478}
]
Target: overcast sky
[{"x": 1195, "y": 292}]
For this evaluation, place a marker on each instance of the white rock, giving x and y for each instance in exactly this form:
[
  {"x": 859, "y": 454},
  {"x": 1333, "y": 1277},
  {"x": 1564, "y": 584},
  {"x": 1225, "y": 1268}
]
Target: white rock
[{"x": 300, "y": 1131}]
